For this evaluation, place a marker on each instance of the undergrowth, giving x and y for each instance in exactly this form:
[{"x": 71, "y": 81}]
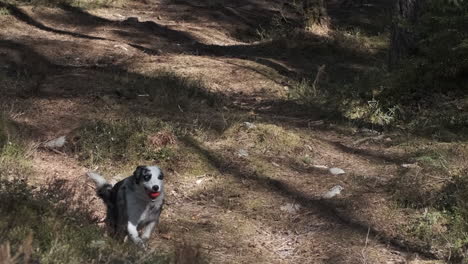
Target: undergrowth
[
  {"x": 173, "y": 91},
  {"x": 436, "y": 189},
  {"x": 125, "y": 141},
  {"x": 14, "y": 152},
  {"x": 56, "y": 233},
  {"x": 39, "y": 224}
]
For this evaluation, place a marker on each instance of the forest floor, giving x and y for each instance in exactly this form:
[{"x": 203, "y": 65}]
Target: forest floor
[{"x": 245, "y": 165}]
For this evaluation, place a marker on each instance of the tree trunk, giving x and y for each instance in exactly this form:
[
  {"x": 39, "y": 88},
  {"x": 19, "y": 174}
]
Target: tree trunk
[
  {"x": 315, "y": 13},
  {"x": 403, "y": 37}
]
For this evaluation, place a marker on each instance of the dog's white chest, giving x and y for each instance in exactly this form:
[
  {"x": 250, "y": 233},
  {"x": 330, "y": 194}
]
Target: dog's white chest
[{"x": 141, "y": 212}]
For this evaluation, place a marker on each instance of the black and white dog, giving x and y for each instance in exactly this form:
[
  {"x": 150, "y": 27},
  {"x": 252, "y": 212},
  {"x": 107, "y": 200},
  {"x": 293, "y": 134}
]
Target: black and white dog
[{"x": 133, "y": 204}]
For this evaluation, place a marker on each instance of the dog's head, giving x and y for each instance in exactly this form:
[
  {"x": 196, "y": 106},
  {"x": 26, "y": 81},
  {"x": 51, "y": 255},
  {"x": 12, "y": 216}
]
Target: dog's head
[{"x": 151, "y": 178}]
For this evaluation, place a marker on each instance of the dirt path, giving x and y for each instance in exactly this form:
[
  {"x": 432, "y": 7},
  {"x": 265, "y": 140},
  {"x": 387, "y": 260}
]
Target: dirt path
[{"x": 262, "y": 205}]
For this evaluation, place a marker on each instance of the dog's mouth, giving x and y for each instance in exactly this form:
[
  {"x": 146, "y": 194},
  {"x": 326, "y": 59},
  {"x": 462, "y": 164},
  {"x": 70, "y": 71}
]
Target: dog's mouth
[{"x": 154, "y": 195}]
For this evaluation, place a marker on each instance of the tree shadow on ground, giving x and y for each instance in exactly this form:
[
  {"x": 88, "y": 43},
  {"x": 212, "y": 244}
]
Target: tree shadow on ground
[
  {"x": 20, "y": 15},
  {"x": 240, "y": 19},
  {"x": 290, "y": 61},
  {"x": 369, "y": 154},
  {"x": 146, "y": 36},
  {"x": 35, "y": 75},
  {"x": 324, "y": 209},
  {"x": 172, "y": 86}
]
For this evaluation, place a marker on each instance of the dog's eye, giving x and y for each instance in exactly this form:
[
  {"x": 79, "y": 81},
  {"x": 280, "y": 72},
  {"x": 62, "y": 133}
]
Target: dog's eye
[
  {"x": 161, "y": 176},
  {"x": 147, "y": 177}
]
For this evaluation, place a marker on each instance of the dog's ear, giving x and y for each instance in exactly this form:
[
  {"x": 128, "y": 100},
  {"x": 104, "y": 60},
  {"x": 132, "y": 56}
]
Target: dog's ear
[{"x": 138, "y": 173}]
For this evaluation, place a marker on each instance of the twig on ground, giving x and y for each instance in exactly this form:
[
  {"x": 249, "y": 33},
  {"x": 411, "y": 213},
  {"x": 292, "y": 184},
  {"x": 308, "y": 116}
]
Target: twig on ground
[{"x": 363, "y": 251}]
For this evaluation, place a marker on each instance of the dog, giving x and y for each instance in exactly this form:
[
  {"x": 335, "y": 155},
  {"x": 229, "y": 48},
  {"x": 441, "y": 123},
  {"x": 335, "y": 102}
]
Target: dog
[{"x": 133, "y": 204}]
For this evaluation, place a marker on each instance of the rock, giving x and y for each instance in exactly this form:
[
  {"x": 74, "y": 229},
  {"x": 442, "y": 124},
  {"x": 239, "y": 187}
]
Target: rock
[
  {"x": 56, "y": 143},
  {"x": 323, "y": 167},
  {"x": 410, "y": 166},
  {"x": 120, "y": 46},
  {"x": 336, "y": 171},
  {"x": 290, "y": 208},
  {"x": 368, "y": 132},
  {"x": 336, "y": 190},
  {"x": 166, "y": 236},
  {"x": 242, "y": 153},
  {"x": 199, "y": 181},
  {"x": 249, "y": 125}
]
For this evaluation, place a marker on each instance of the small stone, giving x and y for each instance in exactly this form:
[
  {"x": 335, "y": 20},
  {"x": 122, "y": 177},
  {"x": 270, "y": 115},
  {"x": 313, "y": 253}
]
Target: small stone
[
  {"x": 56, "y": 143},
  {"x": 320, "y": 167},
  {"x": 336, "y": 190},
  {"x": 410, "y": 166},
  {"x": 336, "y": 171},
  {"x": 242, "y": 153},
  {"x": 199, "y": 181},
  {"x": 368, "y": 132},
  {"x": 249, "y": 125},
  {"x": 290, "y": 208},
  {"x": 166, "y": 236}
]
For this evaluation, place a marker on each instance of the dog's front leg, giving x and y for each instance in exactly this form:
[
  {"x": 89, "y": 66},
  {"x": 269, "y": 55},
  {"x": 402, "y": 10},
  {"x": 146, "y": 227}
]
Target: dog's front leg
[
  {"x": 148, "y": 230},
  {"x": 133, "y": 233}
]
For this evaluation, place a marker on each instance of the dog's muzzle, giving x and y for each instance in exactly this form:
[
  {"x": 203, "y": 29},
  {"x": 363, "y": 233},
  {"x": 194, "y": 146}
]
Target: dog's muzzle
[{"x": 154, "y": 193}]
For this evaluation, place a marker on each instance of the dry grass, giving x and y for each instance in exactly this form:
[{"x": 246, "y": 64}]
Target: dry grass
[{"x": 125, "y": 105}]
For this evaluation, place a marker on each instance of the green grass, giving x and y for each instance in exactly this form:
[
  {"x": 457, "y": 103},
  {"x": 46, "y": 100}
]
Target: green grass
[
  {"x": 125, "y": 141},
  {"x": 4, "y": 11},
  {"x": 46, "y": 223},
  {"x": 14, "y": 153},
  {"x": 173, "y": 91},
  {"x": 59, "y": 234},
  {"x": 39, "y": 224},
  {"x": 436, "y": 192}
]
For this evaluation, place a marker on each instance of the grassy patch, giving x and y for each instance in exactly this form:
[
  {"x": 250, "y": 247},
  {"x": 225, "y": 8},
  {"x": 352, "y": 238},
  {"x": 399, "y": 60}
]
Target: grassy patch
[
  {"x": 436, "y": 192},
  {"x": 4, "y": 11},
  {"x": 263, "y": 138},
  {"x": 276, "y": 28},
  {"x": 167, "y": 89},
  {"x": 14, "y": 156},
  {"x": 355, "y": 101},
  {"x": 40, "y": 225},
  {"x": 126, "y": 141},
  {"x": 37, "y": 224},
  {"x": 170, "y": 89}
]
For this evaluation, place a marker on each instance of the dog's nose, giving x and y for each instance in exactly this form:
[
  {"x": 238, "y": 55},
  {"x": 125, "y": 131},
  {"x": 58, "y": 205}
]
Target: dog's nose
[{"x": 155, "y": 188}]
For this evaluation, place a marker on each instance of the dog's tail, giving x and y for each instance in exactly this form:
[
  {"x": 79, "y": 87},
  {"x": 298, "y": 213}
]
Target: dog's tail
[{"x": 103, "y": 188}]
